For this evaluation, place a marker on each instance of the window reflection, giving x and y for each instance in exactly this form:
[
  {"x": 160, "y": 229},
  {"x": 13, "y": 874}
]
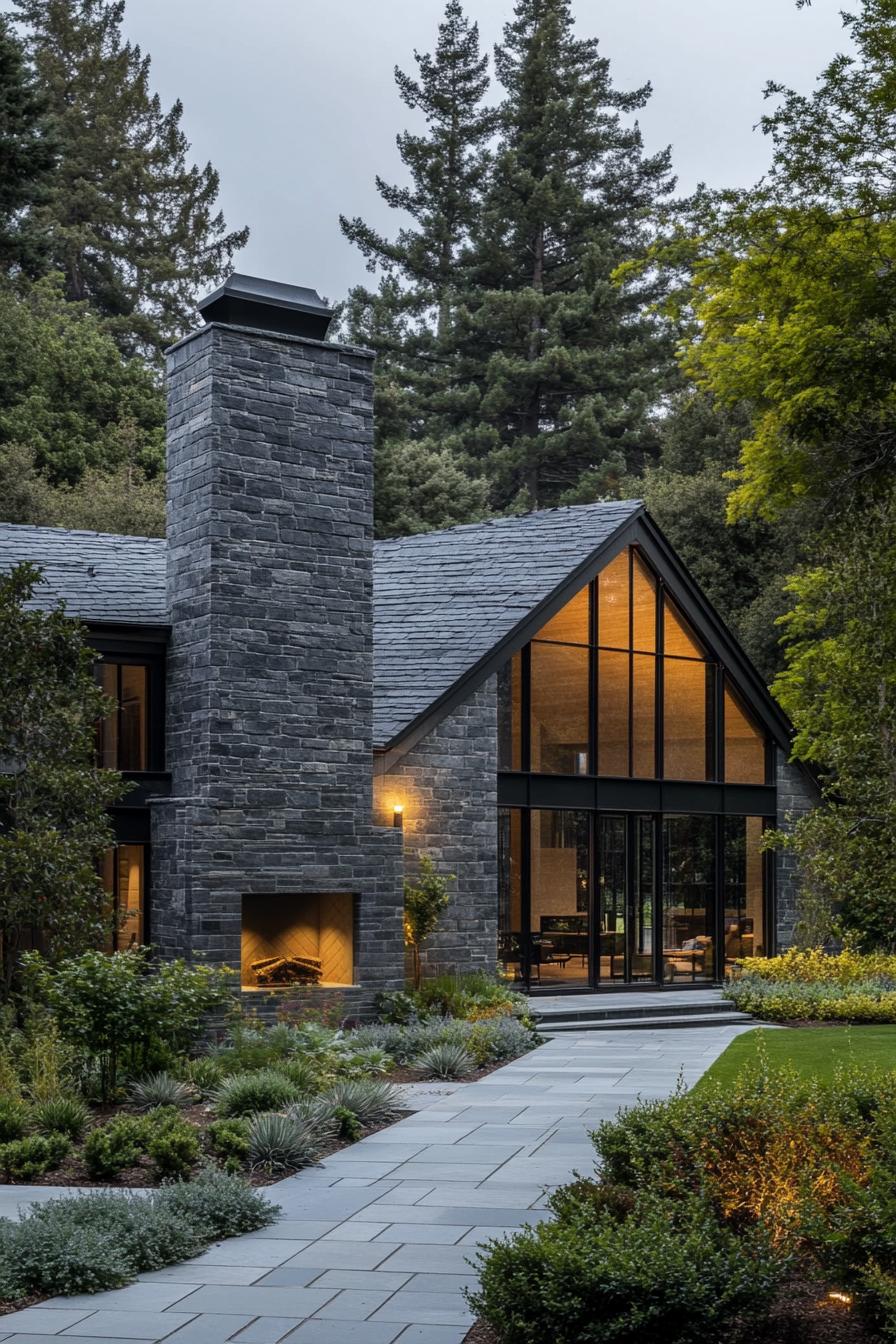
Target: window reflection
[
  {"x": 612, "y": 713},
  {"x": 510, "y": 714},
  {"x": 613, "y": 604},
  {"x": 123, "y": 736},
  {"x": 560, "y": 897},
  {"x": 744, "y": 889},
  {"x": 559, "y": 693},
  {"x": 689, "y": 887},
  {"x": 687, "y": 719},
  {"x": 510, "y": 877},
  {"x": 744, "y": 746},
  {"x": 124, "y": 879},
  {"x": 571, "y": 625}
]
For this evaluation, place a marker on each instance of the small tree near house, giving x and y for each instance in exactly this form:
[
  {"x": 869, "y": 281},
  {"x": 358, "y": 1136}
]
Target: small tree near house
[
  {"x": 424, "y": 902},
  {"x": 54, "y": 826}
]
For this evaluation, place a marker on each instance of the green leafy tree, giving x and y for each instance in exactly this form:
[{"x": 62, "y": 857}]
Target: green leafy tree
[
  {"x": 560, "y": 367},
  {"x": 839, "y": 688},
  {"x": 133, "y": 226},
  {"x": 27, "y": 152},
  {"x": 124, "y": 1012},
  {"x": 792, "y": 286},
  {"x": 54, "y": 826},
  {"x": 67, "y": 396},
  {"x": 425, "y": 902}
]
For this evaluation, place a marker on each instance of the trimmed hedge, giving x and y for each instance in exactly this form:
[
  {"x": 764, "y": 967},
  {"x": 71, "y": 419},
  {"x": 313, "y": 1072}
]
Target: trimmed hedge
[{"x": 813, "y": 987}]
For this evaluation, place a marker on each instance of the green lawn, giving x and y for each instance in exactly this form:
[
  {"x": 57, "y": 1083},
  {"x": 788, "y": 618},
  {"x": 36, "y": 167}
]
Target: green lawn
[{"x": 814, "y": 1052}]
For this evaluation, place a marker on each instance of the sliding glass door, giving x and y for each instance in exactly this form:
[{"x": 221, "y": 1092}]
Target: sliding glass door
[{"x": 604, "y": 899}]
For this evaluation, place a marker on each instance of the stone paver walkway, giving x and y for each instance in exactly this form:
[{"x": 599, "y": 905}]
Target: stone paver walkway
[{"x": 374, "y": 1246}]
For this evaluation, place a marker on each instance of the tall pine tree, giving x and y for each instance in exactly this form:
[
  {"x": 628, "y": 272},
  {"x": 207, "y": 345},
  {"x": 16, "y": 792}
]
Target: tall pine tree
[
  {"x": 129, "y": 221},
  {"x": 26, "y": 153},
  {"x": 409, "y": 318},
  {"x": 559, "y": 368}
]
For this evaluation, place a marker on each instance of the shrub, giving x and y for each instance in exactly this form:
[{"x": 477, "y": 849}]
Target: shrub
[
  {"x": 302, "y": 1073},
  {"x": 14, "y": 1118},
  {"x": 204, "y": 1074},
  {"x": 160, "y": 1089},
  {"x": 396, "y": 1006},
  {"x": 61, "y": 1115},
  {"x": 668, "y": 1271},
  {"x": 371, "y": 1101},
  {"x": 110, "y": 1148},
  {"x": 123, "y": 1010},
  {"x": 287, "y": 1142},
  {"x": 797, "y": 1000},
  {"x": 91, "y": 1242},
  {"x": 219, "y": 1205},
  {"x": 230, "y": 1140},
  {"x": 360, "y": 1061},
  {"x": 173, "y": 1147},
  {"x": 248, "y": 1093},
  {"x": 448, "y": 1059},
  {"x": 25, "y": 1159}
]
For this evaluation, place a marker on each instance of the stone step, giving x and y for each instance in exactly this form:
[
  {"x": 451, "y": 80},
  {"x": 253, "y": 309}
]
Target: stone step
[
  {"x": 728, "y": 1018},
  {"x": 605, "y": 1011}
]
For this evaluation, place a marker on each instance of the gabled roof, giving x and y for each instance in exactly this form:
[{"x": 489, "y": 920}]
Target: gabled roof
[
  {"x": 101, "y": 578},
  {"x": 449, "y": 607},
  {"x": 443, "y": 601}
]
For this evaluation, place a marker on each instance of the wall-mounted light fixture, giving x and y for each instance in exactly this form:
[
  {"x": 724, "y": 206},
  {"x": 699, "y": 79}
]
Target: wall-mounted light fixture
[{"x": 398, "y": 816}]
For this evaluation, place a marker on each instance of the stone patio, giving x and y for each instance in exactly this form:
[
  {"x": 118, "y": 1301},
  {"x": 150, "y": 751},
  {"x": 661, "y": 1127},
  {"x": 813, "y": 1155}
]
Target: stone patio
[{"x": 374, "y": 1246}]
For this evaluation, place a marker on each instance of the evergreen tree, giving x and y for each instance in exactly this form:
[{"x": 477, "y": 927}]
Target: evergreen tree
[
  {"x": 68, "y": 399},
  {"x": 131, "y": 224},
  {"x": 408, "y": 319},
  {"x": 26, "y": 152},
  {"x": 559, "y": 367},
  {"x": 445, "y": 166}
]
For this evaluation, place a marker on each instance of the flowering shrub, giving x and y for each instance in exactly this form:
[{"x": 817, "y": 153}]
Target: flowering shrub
[{"x": 809, "y": 985}]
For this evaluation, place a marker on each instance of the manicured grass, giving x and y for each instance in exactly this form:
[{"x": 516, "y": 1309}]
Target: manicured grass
[{"x": 814, "y": 1052}]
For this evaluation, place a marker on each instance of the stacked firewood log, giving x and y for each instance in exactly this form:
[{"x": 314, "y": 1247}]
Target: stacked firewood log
[{"x": 287, "y": 970}]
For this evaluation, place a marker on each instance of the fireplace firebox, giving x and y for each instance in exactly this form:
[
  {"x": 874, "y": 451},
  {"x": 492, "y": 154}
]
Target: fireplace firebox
[{"x": 290, "y": 940}]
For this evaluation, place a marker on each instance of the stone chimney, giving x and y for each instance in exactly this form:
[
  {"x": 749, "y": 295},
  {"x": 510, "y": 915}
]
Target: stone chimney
[{"x": 269, "y": 693}]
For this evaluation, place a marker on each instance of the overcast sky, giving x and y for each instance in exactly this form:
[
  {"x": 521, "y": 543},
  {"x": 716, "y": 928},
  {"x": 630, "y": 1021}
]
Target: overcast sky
[{"x": 294, "y": 100}]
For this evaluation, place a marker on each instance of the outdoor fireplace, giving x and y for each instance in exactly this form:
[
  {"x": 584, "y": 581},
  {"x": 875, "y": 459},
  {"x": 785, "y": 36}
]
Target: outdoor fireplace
[{"x": 290, "y": 940}]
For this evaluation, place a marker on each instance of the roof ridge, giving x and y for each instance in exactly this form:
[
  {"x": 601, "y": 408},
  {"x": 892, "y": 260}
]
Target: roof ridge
[{"x": 508, "y": 518}]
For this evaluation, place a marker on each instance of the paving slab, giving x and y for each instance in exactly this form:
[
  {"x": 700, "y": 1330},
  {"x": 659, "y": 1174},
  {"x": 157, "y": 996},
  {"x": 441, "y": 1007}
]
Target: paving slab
[{"x": 374, "y": 1246}]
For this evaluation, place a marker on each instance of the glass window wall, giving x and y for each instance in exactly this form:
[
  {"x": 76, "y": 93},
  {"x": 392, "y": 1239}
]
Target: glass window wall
[
  {"x": 124, "y": 876},
  {"x": 560, "y": 897},
  {"x": 559, "y": 722},
  {"x": 744, "y": 889},
  {"x": 689, "y": 890},
  {"x": 627, "y": 705},
  {"x": 123, "y": 736}
]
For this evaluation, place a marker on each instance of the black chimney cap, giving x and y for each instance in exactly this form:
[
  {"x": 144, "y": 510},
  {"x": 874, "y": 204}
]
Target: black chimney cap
[{"x": 267, "y": 305}]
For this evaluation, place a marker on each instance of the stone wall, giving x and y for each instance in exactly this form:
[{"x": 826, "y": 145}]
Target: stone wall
[
  {"x": 269, "y": 722},
  {"x": 448, "y": 787},
  {"x": 796, "y": 796}
]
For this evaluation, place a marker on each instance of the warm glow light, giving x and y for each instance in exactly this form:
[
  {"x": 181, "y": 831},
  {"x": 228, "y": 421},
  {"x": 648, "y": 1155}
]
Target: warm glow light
[
  {"x": 836, "y": 1296},
  {"x": 398, "y": 814}
]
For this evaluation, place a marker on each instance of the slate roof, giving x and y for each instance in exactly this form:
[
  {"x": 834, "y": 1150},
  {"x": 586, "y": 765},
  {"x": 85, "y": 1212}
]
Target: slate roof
[
  {"x": 101, "y": 577},
  {"x": 442, "y": 600}
]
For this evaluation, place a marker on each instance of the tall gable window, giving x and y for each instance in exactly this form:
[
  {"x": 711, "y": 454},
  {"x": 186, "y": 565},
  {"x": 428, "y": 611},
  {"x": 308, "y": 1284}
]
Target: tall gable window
[
  {"x": 619, "y": 685},
  {"x": 123, "y": 737}
]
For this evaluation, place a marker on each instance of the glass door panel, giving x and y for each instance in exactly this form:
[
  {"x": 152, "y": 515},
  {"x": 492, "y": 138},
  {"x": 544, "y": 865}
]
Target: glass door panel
[
  {"x": 560, "y": 884},
  {"x": 612, "y": 928},
  {"x": 641, "y": 921},
  {"x": 689, "y": 886}
]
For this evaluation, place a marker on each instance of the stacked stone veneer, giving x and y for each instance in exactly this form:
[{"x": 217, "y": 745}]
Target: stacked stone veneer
[
  {"x": 447, "y": 784},
  {"x": 269, "y": 719},
  {"x": 797, "y": 795}
]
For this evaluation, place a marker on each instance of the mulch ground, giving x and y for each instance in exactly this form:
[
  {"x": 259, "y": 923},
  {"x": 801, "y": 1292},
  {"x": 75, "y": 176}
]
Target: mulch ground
[{"x": 72, "y": 1172}]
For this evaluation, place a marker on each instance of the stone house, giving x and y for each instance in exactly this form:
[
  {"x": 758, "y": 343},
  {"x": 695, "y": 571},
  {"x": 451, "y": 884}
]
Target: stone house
[{"x": 546, "y": 705}]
